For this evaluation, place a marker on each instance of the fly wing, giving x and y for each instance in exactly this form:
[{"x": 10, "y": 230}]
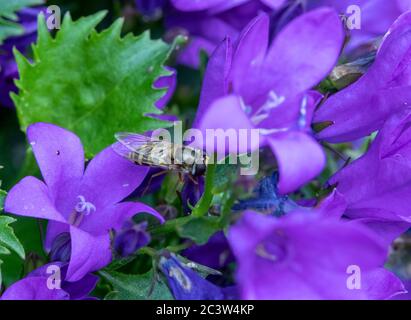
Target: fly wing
[
  {"x": 145, "y": 150},
  {"x": 135, "y": 147},
  {"x": 134, "y": 141}
]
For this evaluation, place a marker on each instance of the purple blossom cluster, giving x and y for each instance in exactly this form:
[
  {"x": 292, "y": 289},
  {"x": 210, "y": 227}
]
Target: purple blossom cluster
[
  {"x": 27, "y": 17},
  {"x": 269, "y": 61}
]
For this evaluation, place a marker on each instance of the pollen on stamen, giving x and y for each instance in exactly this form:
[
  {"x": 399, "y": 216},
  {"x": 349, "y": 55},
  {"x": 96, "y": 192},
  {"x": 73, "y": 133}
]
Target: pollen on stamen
[
  {"x": 263, "y": 253},
  {"x": 84, "y": 207}
]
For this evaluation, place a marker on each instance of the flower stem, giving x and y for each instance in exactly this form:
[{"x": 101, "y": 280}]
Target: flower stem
[{"x": 204, "y": 204}]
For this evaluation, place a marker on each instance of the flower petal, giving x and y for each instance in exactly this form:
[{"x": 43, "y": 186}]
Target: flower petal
[
  {"x": 376, "y": 190},
  {"x": 113, "y": 217},
  {"x": 60, "y": 156},
  {"x": 300, "y": 158},
  {"x": 381, "y": 284},
  {"x": 88, "y": 253},
  {"x": 356, "y": 112},
  {"x": 197, "y": 5},
  {"x": 109, "y": 178},
  {"x": 166, "y": 82},
  {"x": 77, "y": 290},
  {"x": 223, "y": 115},
  {"x": 293, "y": 272},
  {"x": 53, "y": 230},
  {"x": 333, "y": 206},
  {"x": 251, "y": 47},
  {"x": 387, "y": 230},
  {"x": 304, "y": 52},
  {"x": 33, "y": 288},
  {"x": 216, "y": 78},
  {"x": 80, "y": 289},
  {"x": 362, "y": 107},
  {"x": 31, "y": 198},
  {"x": 274, "y": 4}
]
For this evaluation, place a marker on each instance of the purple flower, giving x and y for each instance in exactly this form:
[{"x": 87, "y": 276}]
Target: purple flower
[
  {"x": 8, "y": 68},
  {"x": 306, "y": 256},
  {"x": 376, "y": 16},
  {"x": 150, "y": 9},
  {"x": 48, "y": 283},
  {"x": 267, "y": 199},
  {"x": 376, "y": 187},
  {"x": 169, "y": 83},
  {"x": 84, "y": 203},
  {"x": 131, "y": 237},
  {"x": 407, "y": 296},
  {"x": 363, "y": 107},
  {"x": 215, "y": 254},
  {"x": 186, "y": 284},
  {"x": 208, "y": 22},
  {"x": 219, "y": 5},
  {"x": 251, "y": 85}
]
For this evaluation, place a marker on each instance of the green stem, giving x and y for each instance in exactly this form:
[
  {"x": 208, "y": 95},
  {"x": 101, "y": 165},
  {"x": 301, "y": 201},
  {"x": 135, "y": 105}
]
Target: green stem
[
  {"x": 147, "y": 250},
  {"x": 169, "y": 226},
  {"x": 179, "y": 247},
  {"x": 204, "y": 204}
]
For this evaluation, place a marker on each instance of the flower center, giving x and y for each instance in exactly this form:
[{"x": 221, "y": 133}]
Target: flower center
[
  {"x": 81, "y": 209},
  {"x": 273, "y": 249},
  {"x": 273, "y": 101}
]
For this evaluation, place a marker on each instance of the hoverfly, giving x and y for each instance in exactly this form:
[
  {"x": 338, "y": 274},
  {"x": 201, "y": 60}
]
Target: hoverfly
[{"x": 157, "y": 152}]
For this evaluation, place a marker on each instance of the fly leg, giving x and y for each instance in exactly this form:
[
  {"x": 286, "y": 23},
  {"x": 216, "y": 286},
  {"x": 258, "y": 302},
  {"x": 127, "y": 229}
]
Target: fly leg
[
  {"x": 193, "y": 180},
  {"x": 180, "y": 177},
  {"x": 155, "y": 175}
]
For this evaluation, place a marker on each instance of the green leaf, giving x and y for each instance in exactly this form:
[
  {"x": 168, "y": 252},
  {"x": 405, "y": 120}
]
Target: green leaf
[
  {"x": 8, "y": 9},
  {"x": 8, "y": 240},
  {"x": 2, "y": 198},
  {"x": 7, "y": 237},
  {"x": 219, "y": 177},
  {"x": 199, "y": 229},
  {"x": 223, "y": 176},
  {"x": 136, "y": 287},
  {"x": 103, "y": 85},
  {"x": 28, "y": 232}
]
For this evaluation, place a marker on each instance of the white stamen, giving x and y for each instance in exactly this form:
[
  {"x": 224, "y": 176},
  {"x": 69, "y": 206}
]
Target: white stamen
[
  {"x": 302, "y": 120},
  {"x": 266, "y": 132},
  {"x": 246, "y": 109},
  {"x": 84, "y": 207},
  {"x": 263, "y": 253}
]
